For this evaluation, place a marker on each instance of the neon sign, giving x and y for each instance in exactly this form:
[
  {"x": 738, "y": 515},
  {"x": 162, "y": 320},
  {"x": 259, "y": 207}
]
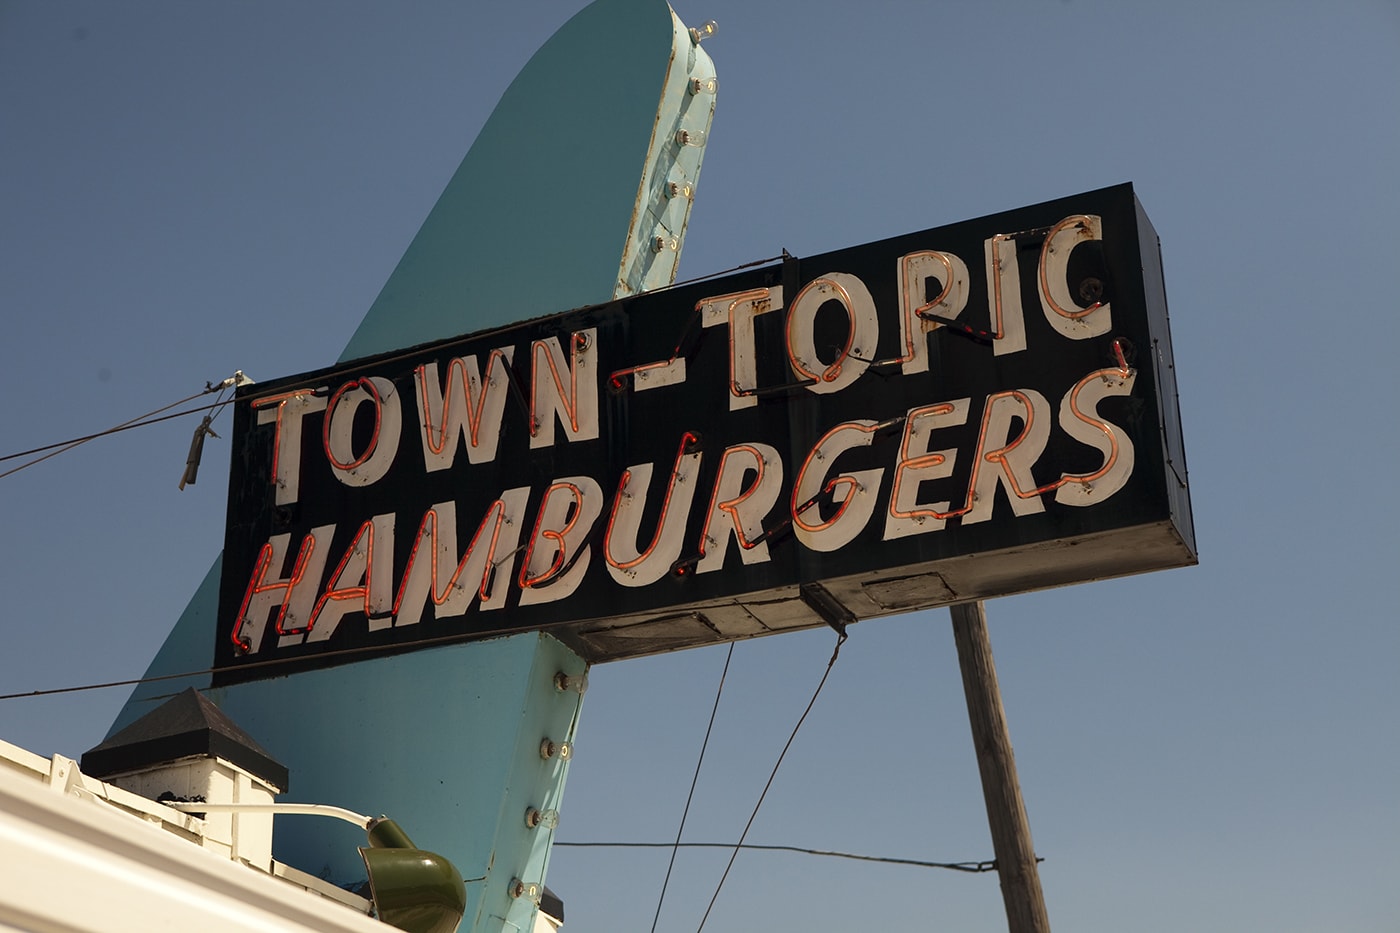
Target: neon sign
[{"x": 878, "y": 429}]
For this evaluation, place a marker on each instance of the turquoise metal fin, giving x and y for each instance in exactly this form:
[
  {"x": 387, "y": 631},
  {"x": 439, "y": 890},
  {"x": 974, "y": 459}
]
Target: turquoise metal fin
[
  {"x": 565, "y": 199},
  {"x": 561, "y": 195}
]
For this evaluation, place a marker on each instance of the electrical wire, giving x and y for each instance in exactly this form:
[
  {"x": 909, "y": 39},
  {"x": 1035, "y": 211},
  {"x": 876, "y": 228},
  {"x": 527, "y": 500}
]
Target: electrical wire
[
  {"x": 55, "y": 691},
  {"x": 714, "y": 275},
  {"x": 241, "y": 666},
  {"x": 149, "y": 418},
  {"x": 693, "y": 781},
  {"x": 840, "y": 640},
  {"x": 139, "y": 421},
  {"x": 969, "y": 867}
]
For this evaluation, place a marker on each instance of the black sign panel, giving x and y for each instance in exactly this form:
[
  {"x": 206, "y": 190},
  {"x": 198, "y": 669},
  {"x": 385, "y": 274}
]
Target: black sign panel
[{"x": 975, "y": 410}]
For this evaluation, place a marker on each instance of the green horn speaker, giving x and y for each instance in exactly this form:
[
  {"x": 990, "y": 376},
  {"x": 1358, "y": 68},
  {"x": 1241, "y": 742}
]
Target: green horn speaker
[{"x": 413, "y": 890}]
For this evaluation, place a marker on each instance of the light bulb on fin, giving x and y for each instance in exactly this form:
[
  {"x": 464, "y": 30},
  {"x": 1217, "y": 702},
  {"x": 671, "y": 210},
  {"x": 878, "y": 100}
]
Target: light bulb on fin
[
  {"x": 694, "y": 138},
  {"x": 701, "y": 33},
  {"x": 535, "y": 818}
]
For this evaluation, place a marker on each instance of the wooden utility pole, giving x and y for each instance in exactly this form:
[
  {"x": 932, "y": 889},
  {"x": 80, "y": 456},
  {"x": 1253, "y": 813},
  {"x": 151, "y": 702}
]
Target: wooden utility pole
[{"x": 1006, "y": 812}]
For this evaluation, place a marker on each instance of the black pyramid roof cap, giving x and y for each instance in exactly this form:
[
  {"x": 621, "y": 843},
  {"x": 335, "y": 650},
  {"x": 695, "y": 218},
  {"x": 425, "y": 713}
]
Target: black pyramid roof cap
[
  {"x": 552, "y": 904},
  {"x": 185, "y": 725}
]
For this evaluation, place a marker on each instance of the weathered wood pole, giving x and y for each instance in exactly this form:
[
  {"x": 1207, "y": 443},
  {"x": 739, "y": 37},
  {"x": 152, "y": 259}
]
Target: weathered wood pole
[{"x": 1006, "y": 812}]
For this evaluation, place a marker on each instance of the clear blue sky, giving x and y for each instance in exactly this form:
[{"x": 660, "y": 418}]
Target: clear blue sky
[{"x": 187, "y": 189}]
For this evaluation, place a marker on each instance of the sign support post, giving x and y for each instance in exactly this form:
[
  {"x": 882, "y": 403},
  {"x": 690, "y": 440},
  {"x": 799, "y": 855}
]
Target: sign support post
[{"x": 1006, "y": 812}]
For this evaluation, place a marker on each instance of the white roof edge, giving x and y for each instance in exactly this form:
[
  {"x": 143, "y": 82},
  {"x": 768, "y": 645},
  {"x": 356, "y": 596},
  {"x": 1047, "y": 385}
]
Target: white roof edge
[{"x": 78, "y": 853}]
